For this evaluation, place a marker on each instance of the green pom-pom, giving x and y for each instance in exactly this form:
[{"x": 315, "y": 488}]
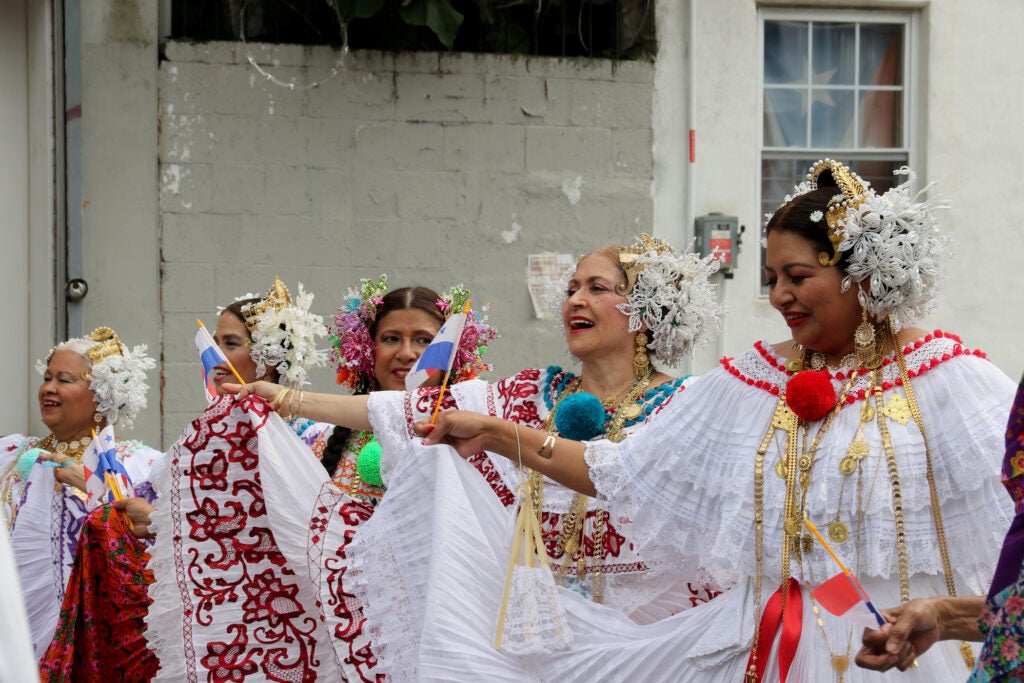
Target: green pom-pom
[{"x": 368, "y": 464}]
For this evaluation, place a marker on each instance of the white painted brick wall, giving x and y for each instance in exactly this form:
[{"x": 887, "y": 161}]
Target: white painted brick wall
[{"x": 436, "y": 169}]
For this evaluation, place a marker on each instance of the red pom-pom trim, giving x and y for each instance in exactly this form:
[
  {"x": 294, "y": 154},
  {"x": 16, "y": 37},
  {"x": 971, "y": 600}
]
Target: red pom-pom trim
[{"x": 810, "y": 394}]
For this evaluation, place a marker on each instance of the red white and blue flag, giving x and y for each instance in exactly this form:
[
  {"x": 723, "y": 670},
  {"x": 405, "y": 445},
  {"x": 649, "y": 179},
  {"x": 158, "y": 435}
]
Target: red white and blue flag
[
  {"x": 438, "y": 357},
  {"x": 843, "y": 596},
  {"x": 101, "y": 466},
  {"x": 211, "y": 356}
]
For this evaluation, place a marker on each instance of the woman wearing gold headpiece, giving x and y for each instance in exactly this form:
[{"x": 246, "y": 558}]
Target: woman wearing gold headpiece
[
  {"x": 378, "y": 337},
  {"x": 88, "y": 383},
  {"x": 619, "y": 306},
  {"x": 882, "y": 435}
]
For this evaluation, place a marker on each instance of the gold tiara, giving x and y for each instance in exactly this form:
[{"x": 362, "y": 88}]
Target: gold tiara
[
  {"x": 628, "y": 257},
  {"x": 107, "y": 345},
  {"x": 854, "y": 191},
  {"x": 277, "y": 298}
]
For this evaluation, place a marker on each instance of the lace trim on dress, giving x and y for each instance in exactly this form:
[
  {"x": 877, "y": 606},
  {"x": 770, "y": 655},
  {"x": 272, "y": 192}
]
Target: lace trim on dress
[{"x": 689, "y": 484}]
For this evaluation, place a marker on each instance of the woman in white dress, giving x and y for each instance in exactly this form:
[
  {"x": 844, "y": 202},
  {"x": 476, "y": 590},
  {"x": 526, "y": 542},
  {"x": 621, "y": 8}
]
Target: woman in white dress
[
  {"x": 887, "y": 437},
  {"x": 88, "y": 383},
  {"x": 620, "y": 307}
]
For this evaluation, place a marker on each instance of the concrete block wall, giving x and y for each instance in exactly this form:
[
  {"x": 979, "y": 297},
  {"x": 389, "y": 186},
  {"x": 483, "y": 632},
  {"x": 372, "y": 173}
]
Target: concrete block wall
[{"x": 436, "y": 169}]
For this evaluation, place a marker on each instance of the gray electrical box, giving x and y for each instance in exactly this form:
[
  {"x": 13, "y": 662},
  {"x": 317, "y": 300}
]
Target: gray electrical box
[{"x": 717, "y": 232}]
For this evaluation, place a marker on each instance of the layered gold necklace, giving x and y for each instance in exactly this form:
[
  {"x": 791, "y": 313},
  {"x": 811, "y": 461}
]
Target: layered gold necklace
[
  {"x": 795, "y": 465},
  {"x": 571, "y": 543},
  {"x": 73, "y": 449}
]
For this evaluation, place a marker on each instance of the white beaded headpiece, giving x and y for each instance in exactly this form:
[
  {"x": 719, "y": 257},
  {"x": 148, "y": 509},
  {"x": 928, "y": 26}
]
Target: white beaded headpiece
[
  {"x": 117, "y": 377},
  {"x": 284, "y": 334},
  {"x": 669, "y": 295},
  {"x": 893, "y": 240}
]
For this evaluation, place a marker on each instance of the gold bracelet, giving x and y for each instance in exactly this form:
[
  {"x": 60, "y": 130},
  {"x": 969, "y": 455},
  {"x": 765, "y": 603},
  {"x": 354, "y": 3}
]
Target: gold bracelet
[
  {"x": 278, "y": 399},
  {"x": 547, "y": 449},
  {"x": 302, "y": 395}
]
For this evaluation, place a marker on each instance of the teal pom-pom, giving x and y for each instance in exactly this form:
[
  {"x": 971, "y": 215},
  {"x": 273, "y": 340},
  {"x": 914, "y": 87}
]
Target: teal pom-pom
[
  {"x": 368, "y": 464},
  {"x": 579, "y": 417},
  {"x": 25, "y": 462}
]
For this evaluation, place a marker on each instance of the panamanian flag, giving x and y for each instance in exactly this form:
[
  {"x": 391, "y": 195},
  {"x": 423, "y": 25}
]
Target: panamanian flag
[
  {"x": 843, "y": 596},
  {"x": 211, "y": 356},
  {"x": 99, "y": 461},
  {"x": 438, "y": 357}
]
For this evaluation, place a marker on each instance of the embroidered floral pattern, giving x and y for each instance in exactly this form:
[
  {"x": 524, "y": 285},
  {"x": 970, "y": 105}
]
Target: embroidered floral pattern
[{"x": 232, "y": 556}]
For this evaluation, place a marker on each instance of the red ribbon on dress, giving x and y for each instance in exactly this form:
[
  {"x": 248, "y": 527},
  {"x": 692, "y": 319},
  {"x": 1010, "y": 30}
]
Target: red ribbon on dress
[{"x": 791, "y": 621}]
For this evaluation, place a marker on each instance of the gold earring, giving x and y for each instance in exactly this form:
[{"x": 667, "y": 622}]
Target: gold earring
[
  {"x": 864, "y": 340},
  {"x": 641, "y": 361},
  {"x": 97, "y": 418}
]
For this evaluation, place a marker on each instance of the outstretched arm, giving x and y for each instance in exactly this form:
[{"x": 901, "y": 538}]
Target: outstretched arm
[
  {"x": 346, "y": 411},
  {"x": 916, "y": 626},
  {"x": 469, "y": 433}
]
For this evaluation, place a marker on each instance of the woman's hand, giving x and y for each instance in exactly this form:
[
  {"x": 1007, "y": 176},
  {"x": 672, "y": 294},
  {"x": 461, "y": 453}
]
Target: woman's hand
[
  {"x": 466, "y": 432},
  {"x": 139, "y": 511},
  {"x": 469, "y": 433},
  {"x": 265, "y": 390},
  {"x": 69, "y": 473},
  {"x": 916, "y": 626}
]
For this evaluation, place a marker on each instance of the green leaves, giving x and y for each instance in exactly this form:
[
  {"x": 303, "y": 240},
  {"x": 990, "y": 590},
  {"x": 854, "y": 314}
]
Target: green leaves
[{"x": 437, "y": 15}]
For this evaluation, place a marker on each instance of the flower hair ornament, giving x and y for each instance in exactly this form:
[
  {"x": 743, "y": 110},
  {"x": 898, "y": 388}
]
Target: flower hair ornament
[
  {"x": 117, "y": 377},
  {"x": 353, "y": 349},
  {"x": 284, "y": 334},
  {"x": 893, "y": 239}
]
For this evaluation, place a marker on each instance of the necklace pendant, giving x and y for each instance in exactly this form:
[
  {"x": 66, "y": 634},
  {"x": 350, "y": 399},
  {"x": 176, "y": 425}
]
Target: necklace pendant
[
  {"x": 840, "y": 663},
  {"x": 780, "y": 468},
  {"x": 897, "y": 408},
  {"x": 838, "y": 532},
  {"x": 631, "y": 411},
  {"x": 793, "y": 525},
  {"x": 848, "y": 465},
  {"x": 794, "y": 365}
]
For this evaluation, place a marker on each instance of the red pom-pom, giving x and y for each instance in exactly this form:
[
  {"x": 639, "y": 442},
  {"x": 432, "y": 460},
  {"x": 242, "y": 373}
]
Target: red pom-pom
[{"x": 810, "y": 394}]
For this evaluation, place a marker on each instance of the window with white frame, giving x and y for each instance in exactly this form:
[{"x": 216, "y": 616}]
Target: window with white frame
[{"x": 835, "y": 85}]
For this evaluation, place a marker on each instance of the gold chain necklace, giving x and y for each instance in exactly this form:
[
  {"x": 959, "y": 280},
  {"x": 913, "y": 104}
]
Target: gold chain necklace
[{"x": 571, "y": 542}]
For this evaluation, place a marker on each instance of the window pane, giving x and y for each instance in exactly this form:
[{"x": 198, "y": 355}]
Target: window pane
[
  {"x": 778, "y": 177},
  {"x": 832, "y": 118},
  {"x": 834, "y": 54},
  {"x": 878, "y": 173},
  {"x": 785, "y": 52},
  {"x": 881, "y": 117},
  {"x": 785, "y": 118},
  {"x": 881, "y": 54}
]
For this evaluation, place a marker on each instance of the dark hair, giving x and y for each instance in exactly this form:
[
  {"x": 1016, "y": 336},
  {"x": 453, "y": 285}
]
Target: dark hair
[
  {"x": 795, "y": 217},
  {"x": 235, "y": 309},
  {"x": 403, "y": 299}
]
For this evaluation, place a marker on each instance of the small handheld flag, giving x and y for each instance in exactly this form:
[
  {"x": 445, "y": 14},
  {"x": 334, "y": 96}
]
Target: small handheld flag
[
  {"x": 211, "y": 356},
  {"x": 105, "y": 476},
  {"x": 439, "y": 355},
  {"x": 842, "y": 595}
]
